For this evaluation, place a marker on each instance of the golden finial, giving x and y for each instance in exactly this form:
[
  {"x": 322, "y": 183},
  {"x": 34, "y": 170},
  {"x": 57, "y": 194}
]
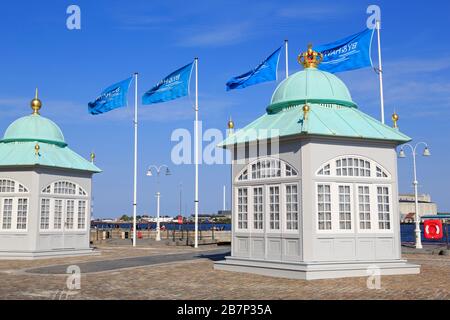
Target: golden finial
[
  {"x": 36, "y": 103},
  {"x": 310, "y": 58},
  {"x": 395, "y": 118},
  {"x": 306, "y": 110},
  {"x": 92, "y": 156},
  {"x": 230, "y": 124},
  {"x": 36, "y": 149}
]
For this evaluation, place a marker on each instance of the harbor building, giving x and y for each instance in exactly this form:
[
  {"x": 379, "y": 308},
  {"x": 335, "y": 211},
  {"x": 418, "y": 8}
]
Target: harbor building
[
  {"x": 324, "y": 203},
  {"x": 408, "y": 206},
  {"x": 45, "y": 191}
]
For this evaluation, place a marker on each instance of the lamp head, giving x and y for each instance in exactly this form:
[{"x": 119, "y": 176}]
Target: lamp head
[
  {"x": 149, "y": 173},
  {"x": 168, "y": 173},
  {"x": 402, "y": 154},
  {"x": 426, "y": 152}
]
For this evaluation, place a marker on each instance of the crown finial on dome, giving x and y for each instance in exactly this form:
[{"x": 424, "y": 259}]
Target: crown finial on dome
[
  {"x": 36, "y": 104},
  {"x": 310, "y": 58}
]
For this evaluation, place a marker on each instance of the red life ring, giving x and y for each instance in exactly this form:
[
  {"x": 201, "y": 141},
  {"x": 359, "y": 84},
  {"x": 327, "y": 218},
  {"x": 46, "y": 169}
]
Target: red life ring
[{"x": 433, "y": 229}]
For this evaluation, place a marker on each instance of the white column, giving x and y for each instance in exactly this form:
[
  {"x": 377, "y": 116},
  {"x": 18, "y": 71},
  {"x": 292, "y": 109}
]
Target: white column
[
  {"x": 380, "y": 71},
  {"x": 196, "y": 156},
  {"x": 158, "y": 229},
  {"x": 135, "y": 157},
  {"x": 416, "y": 200}
]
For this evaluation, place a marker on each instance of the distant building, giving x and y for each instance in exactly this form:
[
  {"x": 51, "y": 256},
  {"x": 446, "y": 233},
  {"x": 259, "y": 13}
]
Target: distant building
[
  {"x": 161, "y": 219},
  {"x": 407, "y": 206},
  {"x": 224, "y": 213}
]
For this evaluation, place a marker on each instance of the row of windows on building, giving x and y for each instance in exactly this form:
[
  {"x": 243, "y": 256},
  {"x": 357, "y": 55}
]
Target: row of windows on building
[
  {"x": 341, "y": 167},
  {"x": 282, "y": 202},
  {"x": 353, "y": 167},
  {"x": 59, "y": 214},
  {"x": 55, "y": 213},
  {"x": 340, "y": 207},
  {"x": 339, "y": 204}
]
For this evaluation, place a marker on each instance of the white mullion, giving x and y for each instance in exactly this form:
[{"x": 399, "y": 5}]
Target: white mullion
[
  {"x": 1, "y": 213},
  {"x": 15, "y": 207},
  {"x": 250, "y": 209},
  {"x": 282, "y": 207},
  {"x": 334, "y": 191},
  {"x": 76, "y": 204},
  {"x": 374, "y": 208},
  {"x": 51, "y": 214}
]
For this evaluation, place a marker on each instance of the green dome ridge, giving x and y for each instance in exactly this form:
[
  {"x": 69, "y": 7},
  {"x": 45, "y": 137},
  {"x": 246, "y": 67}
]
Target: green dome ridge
[
  {"x": 313, "y": 86},
  {"x": 34, "y": 128}
]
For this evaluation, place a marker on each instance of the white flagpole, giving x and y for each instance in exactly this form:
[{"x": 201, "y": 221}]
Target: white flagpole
[
  {"x": 287, "y": 60},
  {"x": 380, "y": 70},
  {"x": 135, "y": 156},
  {"x": 196, "y": 155}
]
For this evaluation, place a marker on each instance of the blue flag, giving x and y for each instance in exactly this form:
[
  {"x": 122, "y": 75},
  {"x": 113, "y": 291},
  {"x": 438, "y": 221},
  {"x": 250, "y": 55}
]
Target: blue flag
[
  {"x": 174, "y": 86},
  {"x": 265, "y": 71},
  {"x": 113, "y": 97},
  {"x": 347, "y": 54}
]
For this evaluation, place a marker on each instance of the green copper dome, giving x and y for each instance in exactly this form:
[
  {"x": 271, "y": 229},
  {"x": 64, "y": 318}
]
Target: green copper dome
[
  {"x": 34, "y": 128},
  {"x": 313, "y": 86}
]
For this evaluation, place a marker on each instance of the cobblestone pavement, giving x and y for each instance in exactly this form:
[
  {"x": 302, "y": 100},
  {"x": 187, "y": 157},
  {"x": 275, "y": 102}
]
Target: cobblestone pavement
[{"x": 196, "y": 279}]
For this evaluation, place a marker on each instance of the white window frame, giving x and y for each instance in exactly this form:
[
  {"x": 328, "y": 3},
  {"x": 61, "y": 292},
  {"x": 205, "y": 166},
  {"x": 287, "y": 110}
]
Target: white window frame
[
  {"x": 284, "y": 208},
  {"x": 337, "y": 213},
  {"x": 280, "y": 208},
  {"x": 252, "y": 211},
  {"x": 15, "y": 203},
  {"x": 372, "y": 202},
  {"x": 84, "y": 214},
  {"x": 391, "y": 211},
  {"x": 53, "y": 211},
  {"x": 249, "y": 204},
  {"x": 27, "y": 213},
  {"x": 49, "y": 214},
  {"x": 316, "y": 204}
]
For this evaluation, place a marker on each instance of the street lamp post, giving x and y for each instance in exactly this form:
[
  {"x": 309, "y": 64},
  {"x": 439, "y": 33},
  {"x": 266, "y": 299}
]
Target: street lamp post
[
  {"x": 158, "y": 194},
  {"x": 426, "y": 153}
]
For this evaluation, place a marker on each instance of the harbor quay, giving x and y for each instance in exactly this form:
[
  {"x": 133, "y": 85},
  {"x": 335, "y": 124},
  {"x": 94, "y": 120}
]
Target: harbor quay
[{"x": 121, "y": 272}]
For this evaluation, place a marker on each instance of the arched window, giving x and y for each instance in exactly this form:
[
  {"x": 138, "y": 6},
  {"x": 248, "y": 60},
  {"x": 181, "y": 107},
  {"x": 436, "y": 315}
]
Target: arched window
[
  {"x": 11, "y": 186},
  {"x": 353, "y": 166},
  {"x": 64, "y": 188},
  {"x": 267, "y": 168},
  {"x": 357, "y": 198},
  {"x": 13, "y": 206}
]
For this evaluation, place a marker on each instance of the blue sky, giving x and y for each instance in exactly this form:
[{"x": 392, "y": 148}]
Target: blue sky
[{"x": 154, "y": 38}]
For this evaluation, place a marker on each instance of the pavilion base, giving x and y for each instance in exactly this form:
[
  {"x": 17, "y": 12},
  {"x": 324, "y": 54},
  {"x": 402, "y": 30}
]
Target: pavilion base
[
  {"x": 46, "y": 254},
  {"x": 316, "y": 270}
]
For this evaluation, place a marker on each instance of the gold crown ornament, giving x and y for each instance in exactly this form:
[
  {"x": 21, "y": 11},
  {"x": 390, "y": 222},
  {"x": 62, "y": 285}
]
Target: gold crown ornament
[{"x": 310, "y": 58}]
